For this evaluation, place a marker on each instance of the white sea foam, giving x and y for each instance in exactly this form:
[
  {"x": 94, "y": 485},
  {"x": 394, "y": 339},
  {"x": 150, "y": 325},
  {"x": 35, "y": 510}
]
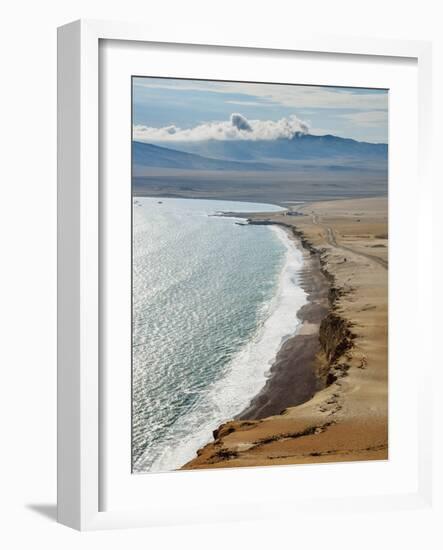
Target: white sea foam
[{"x": 247, "y": 372}]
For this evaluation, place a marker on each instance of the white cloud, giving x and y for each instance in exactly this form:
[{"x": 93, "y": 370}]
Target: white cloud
[{"x": 238, "y": 127}]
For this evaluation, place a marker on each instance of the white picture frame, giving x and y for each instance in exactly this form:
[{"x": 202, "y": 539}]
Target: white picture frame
[{"x": 79, "y": 205}]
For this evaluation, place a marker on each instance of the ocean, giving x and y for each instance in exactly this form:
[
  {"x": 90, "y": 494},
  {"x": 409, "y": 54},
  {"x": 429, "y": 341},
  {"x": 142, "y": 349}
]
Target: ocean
[{"x": 212, "y": 303}]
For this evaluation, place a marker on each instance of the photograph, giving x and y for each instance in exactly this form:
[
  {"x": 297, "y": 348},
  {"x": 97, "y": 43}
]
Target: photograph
[{"x": 259, "y": 274}]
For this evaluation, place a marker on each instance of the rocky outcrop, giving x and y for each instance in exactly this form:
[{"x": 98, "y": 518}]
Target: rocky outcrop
[{"x": 335, "y": 337}]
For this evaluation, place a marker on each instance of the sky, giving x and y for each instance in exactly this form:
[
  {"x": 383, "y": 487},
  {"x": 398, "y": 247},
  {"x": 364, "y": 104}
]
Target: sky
[{"x": 168, "y": 110}]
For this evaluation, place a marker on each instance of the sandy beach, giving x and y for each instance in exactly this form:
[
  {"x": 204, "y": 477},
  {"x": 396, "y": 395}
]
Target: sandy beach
[
  {"x": 327, "y": 396},
  {"x": 293, "y": 380}
]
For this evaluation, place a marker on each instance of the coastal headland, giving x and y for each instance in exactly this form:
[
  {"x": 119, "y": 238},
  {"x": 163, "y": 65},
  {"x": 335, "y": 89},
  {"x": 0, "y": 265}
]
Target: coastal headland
[{"x": 326, "y": 399}]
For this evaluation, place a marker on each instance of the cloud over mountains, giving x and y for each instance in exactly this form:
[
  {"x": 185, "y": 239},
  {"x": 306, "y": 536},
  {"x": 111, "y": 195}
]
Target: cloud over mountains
[{"x": 238, "y": 127}]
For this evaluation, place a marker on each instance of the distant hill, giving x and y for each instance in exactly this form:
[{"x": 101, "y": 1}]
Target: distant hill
[
  {"x": 300, "y": 147},
  {"x": 146, "y": 155}
]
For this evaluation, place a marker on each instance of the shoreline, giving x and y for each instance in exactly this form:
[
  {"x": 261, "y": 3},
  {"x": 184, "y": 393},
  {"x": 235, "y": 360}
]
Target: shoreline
[
  {"x": 346, "y": 416},
  {"x": 292, "y": 380},
  {"x": 294, "y": 363}
]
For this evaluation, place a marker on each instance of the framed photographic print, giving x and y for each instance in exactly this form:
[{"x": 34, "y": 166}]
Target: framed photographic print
[
  {"x": 259, "y": 271},
  {"x": 232, "y": 268}
]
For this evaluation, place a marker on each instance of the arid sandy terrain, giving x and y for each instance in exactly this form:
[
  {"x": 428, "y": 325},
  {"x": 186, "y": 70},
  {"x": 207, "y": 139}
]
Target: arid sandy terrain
[{"x": 343, "y": 416}]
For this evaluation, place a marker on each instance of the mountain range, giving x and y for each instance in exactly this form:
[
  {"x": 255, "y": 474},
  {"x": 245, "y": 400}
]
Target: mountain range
[
  {"x": 304, "y": 167},
  {"x": 260, "y": 155}
]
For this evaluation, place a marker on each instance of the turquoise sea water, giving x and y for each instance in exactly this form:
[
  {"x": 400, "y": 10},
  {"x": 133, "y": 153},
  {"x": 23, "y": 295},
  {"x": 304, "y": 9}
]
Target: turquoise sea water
[{"x": 212, "y": 303}]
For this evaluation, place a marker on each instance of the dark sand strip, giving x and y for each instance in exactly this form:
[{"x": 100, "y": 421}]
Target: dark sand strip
[{"x": 293, "y": 378}]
